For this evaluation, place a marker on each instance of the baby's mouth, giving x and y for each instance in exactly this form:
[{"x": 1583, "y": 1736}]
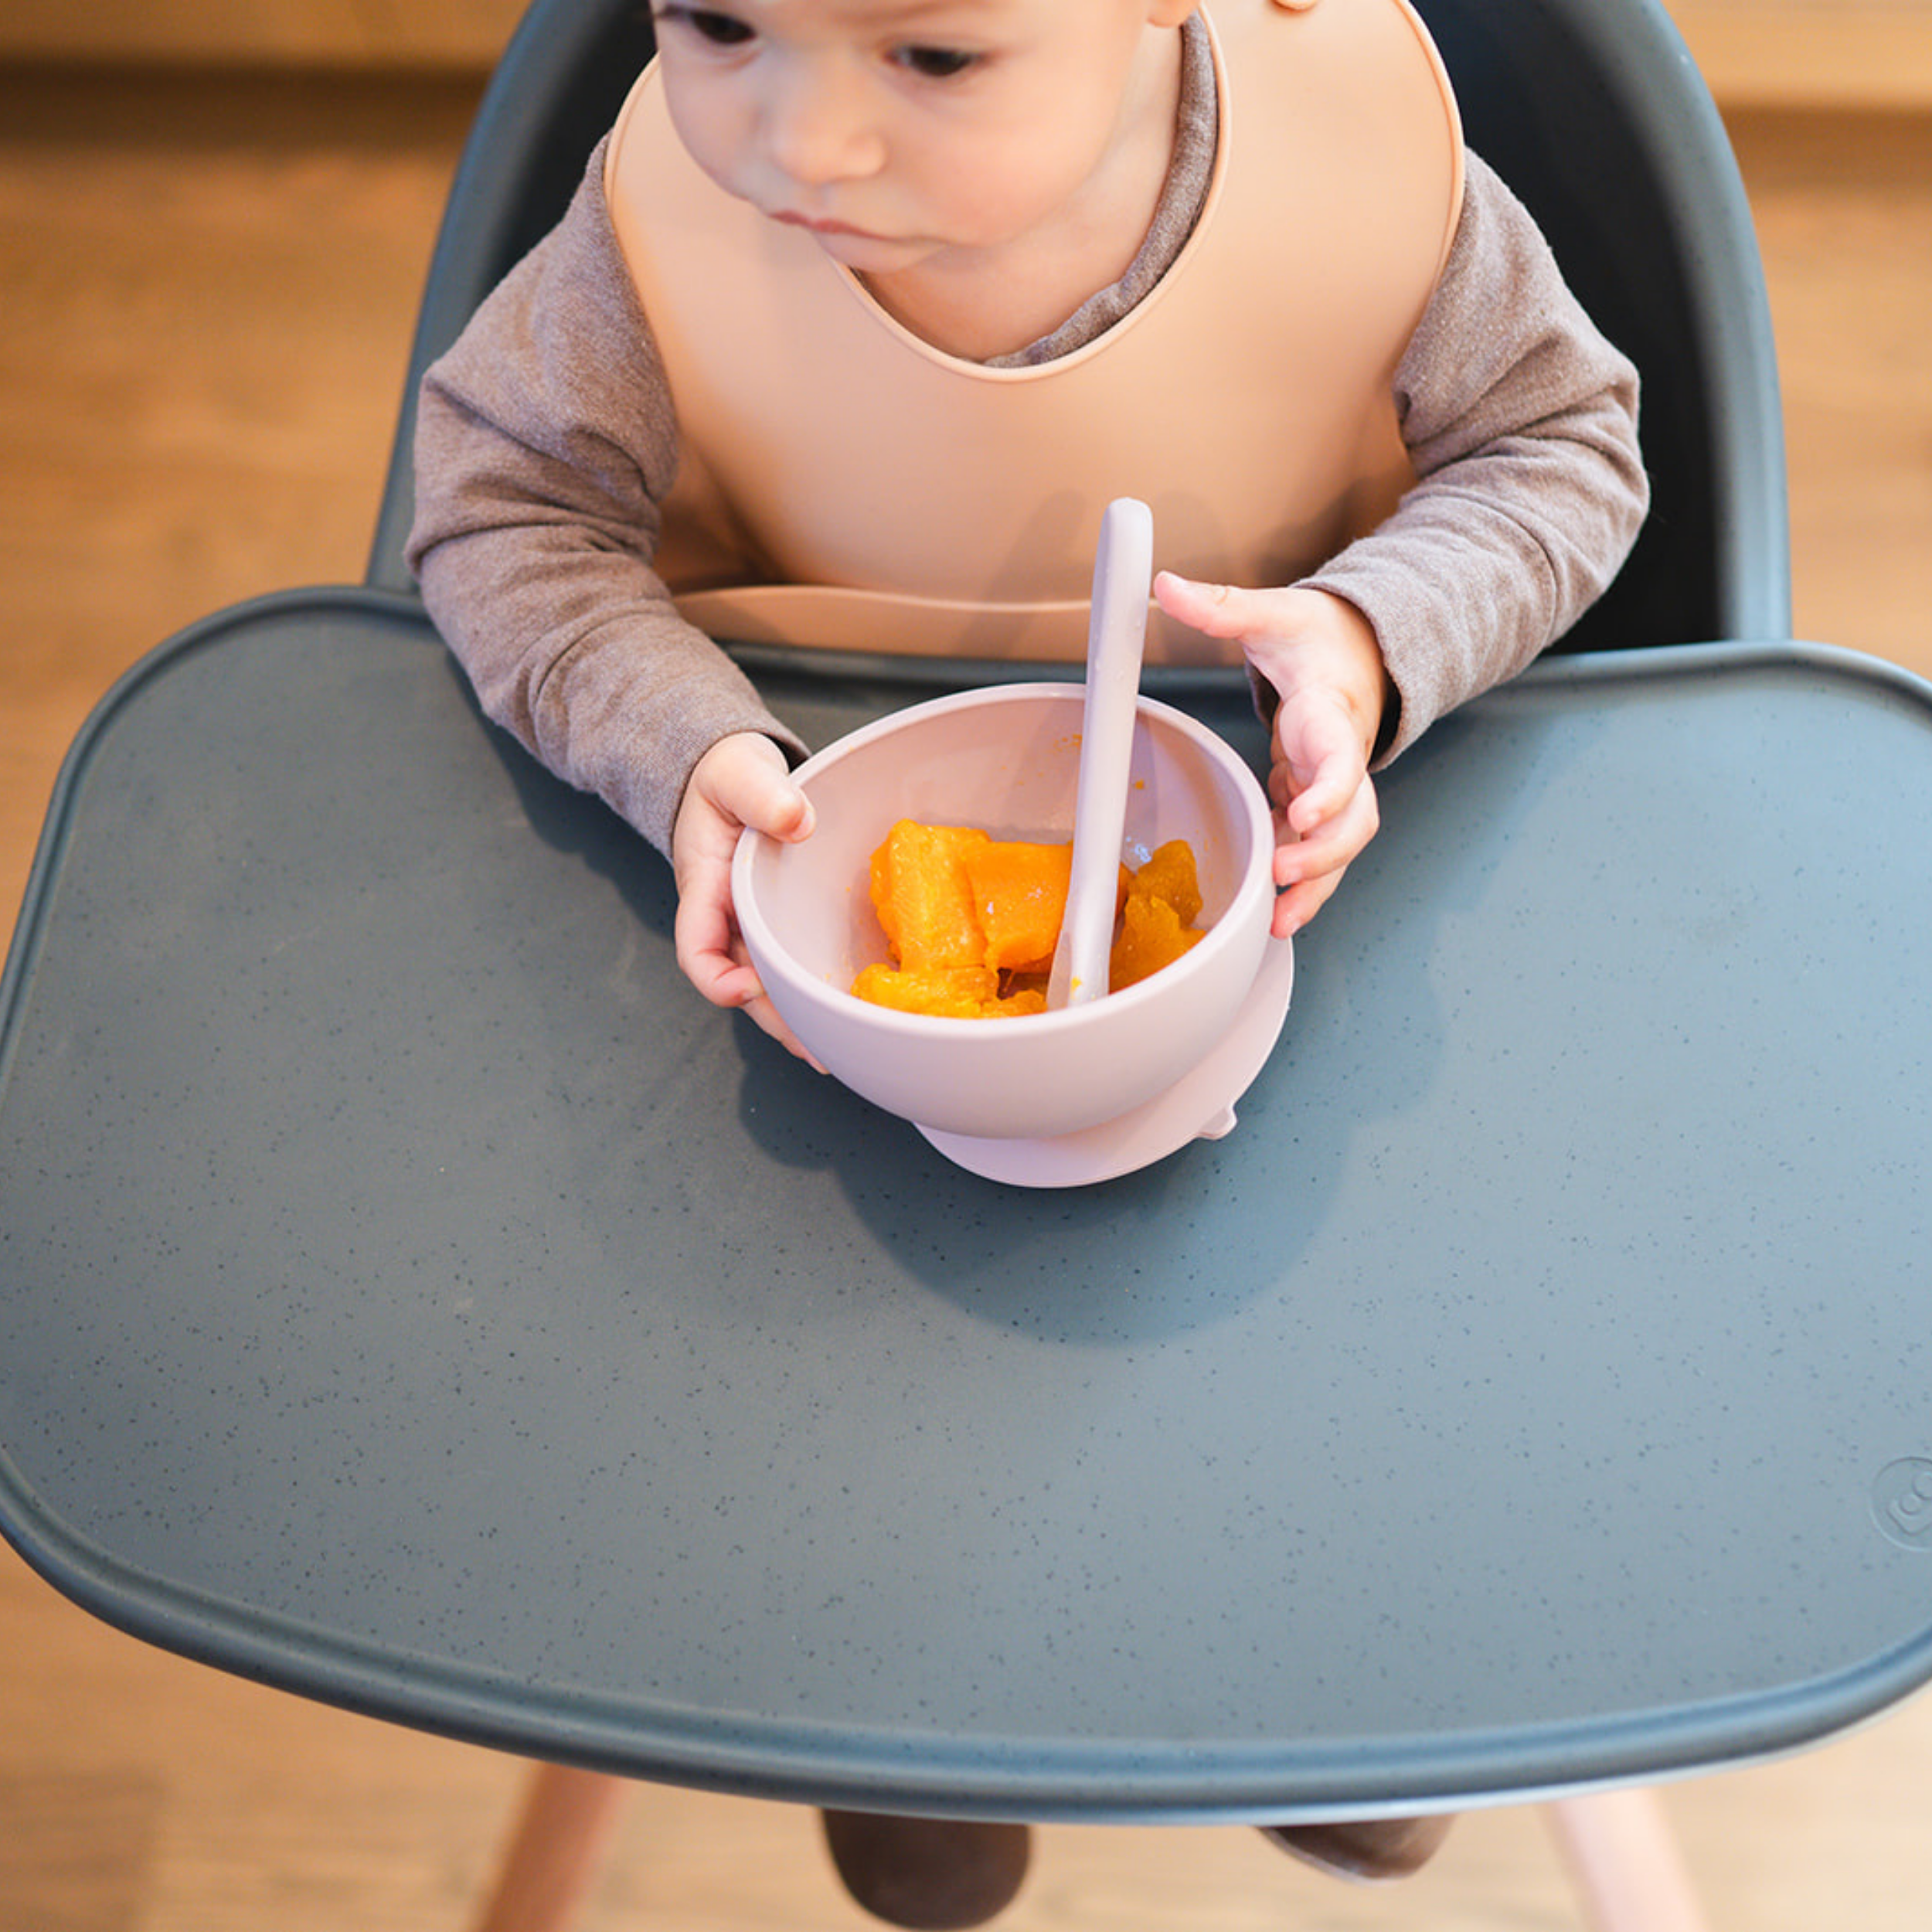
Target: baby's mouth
[{"x": 818, "y": 225}]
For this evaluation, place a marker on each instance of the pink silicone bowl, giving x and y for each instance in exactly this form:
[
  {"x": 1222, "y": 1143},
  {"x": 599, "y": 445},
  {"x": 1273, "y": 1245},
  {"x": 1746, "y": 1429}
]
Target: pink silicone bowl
[{"x": 1006, "y": 759}]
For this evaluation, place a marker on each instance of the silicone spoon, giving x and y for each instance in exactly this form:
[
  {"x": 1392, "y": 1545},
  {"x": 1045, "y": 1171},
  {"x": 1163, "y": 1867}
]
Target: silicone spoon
[{"x": 1117, "y": 634}]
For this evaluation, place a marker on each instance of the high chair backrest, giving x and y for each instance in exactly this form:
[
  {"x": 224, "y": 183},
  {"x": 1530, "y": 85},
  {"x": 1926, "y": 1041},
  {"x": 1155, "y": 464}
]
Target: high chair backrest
[{"x": 1591, "y": 110}]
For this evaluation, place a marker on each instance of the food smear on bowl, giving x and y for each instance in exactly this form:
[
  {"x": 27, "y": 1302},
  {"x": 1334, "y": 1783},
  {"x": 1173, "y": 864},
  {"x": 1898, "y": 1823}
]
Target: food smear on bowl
[{"x": 972, "y": 920}]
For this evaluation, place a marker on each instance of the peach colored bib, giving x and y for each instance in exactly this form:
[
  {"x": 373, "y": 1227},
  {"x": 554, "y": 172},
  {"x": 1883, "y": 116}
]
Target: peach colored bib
[{"x": 843, "y": 483}]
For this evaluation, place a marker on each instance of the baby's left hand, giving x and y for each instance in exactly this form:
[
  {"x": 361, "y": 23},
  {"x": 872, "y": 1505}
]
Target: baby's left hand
[{"x": 1320, "y": 656}]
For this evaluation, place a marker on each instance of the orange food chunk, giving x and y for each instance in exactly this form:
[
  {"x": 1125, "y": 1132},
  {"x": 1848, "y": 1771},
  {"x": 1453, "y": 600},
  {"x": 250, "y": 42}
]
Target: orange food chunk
[
  {"x": 1021, "y": 1000},
  {"x": 1151, "y": 937},
  {"x": 1156, "y": 922},
  {"x": 1019, "y": 898},
  {"x": 947, "y": 992},
  {"x": 973, "y": 921},
  {"x": 1169, "y": 874},
  {"x": 950, "y": 992},
  {"x": 923, "y": 897}
]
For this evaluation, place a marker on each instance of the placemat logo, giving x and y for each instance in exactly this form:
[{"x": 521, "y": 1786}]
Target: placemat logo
[{"x": 1902, "y": 1502}]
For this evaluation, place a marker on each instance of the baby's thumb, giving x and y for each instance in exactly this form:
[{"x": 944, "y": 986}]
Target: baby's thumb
[
  {"x": 781, "y": 810},
  {"x": 799, "y": 817},
  {"x": 1220, "y": 610},
  {"x": 746, "y": 777}
]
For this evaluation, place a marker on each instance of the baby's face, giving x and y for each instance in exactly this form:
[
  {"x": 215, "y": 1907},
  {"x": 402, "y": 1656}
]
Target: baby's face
[{"x": 896, "y": 132}]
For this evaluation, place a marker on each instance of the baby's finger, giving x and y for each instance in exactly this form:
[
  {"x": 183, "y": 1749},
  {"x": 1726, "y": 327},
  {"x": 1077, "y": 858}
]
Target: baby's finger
[
  {"x": 786, "y": 813},
  {"x": 769, "y": 802},
  {"x": 746, "y": 778},
  {"x": 1295, "y": 907},
  {"x": 1337, "y": 789},
  {"x": 712, "y": 956},
  {"x": 1309, "y": 807},
  {"x": 1335, "y": 844},
  {"x": 721, "y": 979},
  {"x": 1219, "y": 610},
  {"x": 705, "y": 940},
  {"x": 767, "y": 1017}
]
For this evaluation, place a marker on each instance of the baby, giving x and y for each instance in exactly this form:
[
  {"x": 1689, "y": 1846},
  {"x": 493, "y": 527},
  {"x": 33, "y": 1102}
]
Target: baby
[
  {"x": 865, "y": 310},
  {"x": 1022, "y": 188}
]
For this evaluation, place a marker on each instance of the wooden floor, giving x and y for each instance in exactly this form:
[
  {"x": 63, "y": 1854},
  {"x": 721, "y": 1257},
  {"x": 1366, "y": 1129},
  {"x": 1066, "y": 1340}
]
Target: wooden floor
[{"x": 206, "y": 292}]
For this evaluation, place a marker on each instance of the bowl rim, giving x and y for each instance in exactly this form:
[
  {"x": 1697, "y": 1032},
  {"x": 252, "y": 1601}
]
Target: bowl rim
[{"x": 1221, "y": 936}]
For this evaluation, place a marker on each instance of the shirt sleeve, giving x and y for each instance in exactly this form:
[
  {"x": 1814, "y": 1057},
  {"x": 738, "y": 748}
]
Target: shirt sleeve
[
  {"x": 546, "y": 440},
  {"x": 1521, "y": 421}
]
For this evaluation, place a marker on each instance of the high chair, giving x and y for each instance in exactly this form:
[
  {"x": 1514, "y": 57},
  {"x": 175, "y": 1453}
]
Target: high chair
[{"x": 414, "y": 1298}]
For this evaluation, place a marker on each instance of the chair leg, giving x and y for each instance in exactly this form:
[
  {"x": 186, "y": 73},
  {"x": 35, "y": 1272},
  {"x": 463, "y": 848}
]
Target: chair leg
[
  {"x": 1618, "y": 1847},
  {"x": 1624, "y": 1861},
  {"x": 555, "y": 1851}
]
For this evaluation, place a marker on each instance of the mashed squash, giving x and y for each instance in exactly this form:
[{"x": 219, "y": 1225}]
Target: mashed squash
[{"x": 972, "y": 920}]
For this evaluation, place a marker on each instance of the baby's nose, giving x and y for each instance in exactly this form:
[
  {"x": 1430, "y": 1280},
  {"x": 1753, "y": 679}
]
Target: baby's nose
[{"x": 818, "y": 129}]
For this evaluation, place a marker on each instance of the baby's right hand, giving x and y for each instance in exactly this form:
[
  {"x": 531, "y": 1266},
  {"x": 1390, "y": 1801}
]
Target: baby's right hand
[{"x": 743, "y": 781}]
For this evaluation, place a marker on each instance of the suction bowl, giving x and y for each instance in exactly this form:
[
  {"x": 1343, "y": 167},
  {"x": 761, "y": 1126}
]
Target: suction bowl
[{"x": 1006, "y": 759}]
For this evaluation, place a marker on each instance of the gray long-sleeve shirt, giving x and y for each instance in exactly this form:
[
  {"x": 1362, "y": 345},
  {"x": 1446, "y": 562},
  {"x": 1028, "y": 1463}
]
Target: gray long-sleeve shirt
[{"x": 546, "y": 440}]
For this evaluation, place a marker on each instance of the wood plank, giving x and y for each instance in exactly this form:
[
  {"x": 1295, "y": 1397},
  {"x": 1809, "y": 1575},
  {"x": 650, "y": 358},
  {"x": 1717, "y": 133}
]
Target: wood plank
[
  {"x": 371, "y": 34},
  {"x": 76, "y": 1847},
  {"x": 1871, "y": 54},
  {"x": 1867, "y": 54}
]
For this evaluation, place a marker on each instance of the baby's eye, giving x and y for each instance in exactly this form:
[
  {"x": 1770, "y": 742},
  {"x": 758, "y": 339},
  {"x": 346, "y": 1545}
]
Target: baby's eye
[
  {"x": 934, "y": 63},
  {"x": 720, "y": 29}
]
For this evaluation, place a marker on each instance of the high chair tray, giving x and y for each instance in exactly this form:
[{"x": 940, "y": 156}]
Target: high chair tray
[{"x": 411, "y": 1295}]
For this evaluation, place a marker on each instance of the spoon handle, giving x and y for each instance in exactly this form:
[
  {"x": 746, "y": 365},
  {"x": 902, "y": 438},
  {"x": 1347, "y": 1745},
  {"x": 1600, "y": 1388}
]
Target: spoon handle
[{"x": 1122, "y": 571}]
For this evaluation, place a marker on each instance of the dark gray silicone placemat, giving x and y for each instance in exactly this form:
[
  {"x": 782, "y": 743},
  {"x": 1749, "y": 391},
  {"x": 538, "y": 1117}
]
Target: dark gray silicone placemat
[{"x": 409, "y": 1293}]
